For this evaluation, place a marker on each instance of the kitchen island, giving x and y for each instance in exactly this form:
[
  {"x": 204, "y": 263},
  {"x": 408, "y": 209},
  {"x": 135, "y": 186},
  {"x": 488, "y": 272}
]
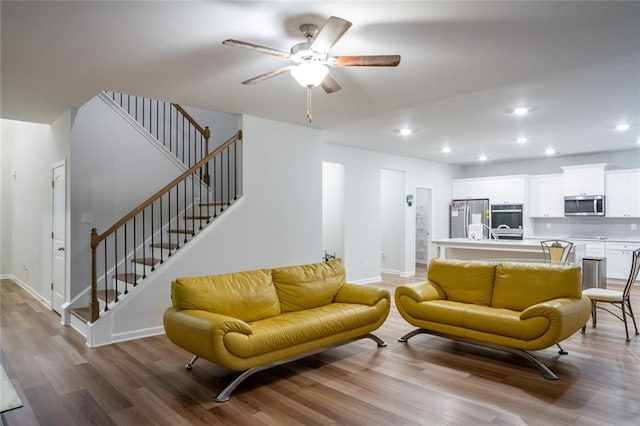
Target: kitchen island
[{"x": 467, "y": 249}]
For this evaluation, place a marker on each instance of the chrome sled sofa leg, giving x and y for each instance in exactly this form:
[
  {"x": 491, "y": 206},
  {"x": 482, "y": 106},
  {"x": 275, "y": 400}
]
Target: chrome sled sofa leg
[{"x": 546, "y": 371}]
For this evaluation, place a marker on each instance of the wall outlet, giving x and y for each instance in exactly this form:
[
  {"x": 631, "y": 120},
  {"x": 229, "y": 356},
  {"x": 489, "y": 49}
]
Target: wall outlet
[
  {"x": 548, "y": 226},
  {"x": 634, "y": 227}
]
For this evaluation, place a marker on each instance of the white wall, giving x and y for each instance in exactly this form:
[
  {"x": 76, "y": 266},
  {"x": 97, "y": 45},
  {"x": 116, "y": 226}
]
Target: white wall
[
  {"x": 31, "y": 150},
  {"x": 333, "y": 209},
  {"x": 362, "y": 205},
  {"x": 278, "y": 221},
  {"x": 629, "y": 159},
  {"x": 222, "y": 125},
  {"x": 392, "y": 218}
]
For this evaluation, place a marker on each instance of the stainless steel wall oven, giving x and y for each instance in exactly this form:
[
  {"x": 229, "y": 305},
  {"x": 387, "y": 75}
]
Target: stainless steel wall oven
[{"x": 506, "y": 221}]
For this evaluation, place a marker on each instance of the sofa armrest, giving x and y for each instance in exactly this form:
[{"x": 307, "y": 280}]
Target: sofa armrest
[
  {"x": 202, "y": 323},
  {"x": 362, "y": 294},
  {"x": 421, "y": 292},
  {"x": 564, "y": 307}
]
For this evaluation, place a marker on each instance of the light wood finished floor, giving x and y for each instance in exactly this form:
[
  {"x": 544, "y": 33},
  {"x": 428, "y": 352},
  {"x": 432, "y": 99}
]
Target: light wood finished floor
[{"x": 428, "y": 381}]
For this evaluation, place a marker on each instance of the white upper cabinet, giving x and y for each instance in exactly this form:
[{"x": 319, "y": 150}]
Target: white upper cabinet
[
  {"x": 462, "y": 189},
  {"x": 546, "y": 196},
  {"x": 584, "y": 180},
  {"x": 499, "y": 190},
  {"x": 623, "y": 193},
  {"x": 507, "y": 190}
]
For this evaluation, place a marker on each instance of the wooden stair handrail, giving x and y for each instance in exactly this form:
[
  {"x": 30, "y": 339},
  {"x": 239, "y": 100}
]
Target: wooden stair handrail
[
  {"x": 97, "y": 238},
  {"x": 100, "y": 237},
  {"x": 206, "y": 132}
]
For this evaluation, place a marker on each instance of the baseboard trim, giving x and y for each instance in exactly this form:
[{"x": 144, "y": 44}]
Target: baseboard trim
[{"x": 367, "y": 280}]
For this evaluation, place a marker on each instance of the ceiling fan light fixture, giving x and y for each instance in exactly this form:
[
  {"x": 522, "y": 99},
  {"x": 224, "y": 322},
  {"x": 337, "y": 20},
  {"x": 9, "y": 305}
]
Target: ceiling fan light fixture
[{"x": 309, "y": 74}]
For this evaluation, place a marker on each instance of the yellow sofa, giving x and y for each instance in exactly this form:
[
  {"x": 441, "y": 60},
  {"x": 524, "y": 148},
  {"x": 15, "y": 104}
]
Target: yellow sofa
[
  {"x": 516, "y": 307},
  {"x": 249, "y": 321}
]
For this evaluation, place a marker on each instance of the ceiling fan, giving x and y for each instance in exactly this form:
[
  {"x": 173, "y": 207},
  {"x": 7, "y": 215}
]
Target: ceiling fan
[{"x": 311, "y": 58}]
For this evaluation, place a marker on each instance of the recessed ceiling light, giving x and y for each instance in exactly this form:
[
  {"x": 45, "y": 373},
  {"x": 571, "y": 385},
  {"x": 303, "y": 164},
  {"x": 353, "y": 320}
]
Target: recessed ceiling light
[
  {"x": 638, "y": 141},
  {"x": 482, "y": 157},
  {"x": 521, "y": 140},
  {"x": 406, "y": 131},
  {"x": 550, "y": 151},
  {"x": 623, "y": 127},
  {"x": 446, "y": 149},
  {"x": 520, "y": 111}
]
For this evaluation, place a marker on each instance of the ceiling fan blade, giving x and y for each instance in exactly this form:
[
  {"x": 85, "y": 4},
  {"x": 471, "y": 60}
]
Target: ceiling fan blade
[
  {"x": 365, "y": 61},
  {"x": 262, "y": 49},
  {"x": 330, "y": 33},
  {"x": 330, "y": 85},
  {"x": 267, "y": 75}
]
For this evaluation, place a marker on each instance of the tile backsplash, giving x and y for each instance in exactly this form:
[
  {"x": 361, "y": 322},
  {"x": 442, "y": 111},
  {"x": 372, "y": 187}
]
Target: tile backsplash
[{"x": 588, "y": 227}]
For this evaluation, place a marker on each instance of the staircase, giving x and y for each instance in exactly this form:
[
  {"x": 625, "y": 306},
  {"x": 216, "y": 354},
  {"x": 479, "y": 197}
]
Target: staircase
[{"x": 129, "y": 251}]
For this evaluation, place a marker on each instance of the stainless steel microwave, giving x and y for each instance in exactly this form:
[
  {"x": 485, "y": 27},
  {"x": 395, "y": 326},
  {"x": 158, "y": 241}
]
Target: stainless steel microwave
[{"x": 584, "y": 205}]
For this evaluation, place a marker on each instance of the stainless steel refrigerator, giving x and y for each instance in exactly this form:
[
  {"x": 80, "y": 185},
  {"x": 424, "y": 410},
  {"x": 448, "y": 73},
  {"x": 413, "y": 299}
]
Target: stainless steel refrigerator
[{"x": 462, "y": 213}]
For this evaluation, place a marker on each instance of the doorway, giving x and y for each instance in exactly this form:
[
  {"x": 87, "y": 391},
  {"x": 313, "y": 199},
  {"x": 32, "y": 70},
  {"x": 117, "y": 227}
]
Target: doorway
[
  {"x": 423, "y": 225},
  {"x": 333, "y": 210},
  {"x": 58, "y": 236},
  {"x": 392, "y": 221}
]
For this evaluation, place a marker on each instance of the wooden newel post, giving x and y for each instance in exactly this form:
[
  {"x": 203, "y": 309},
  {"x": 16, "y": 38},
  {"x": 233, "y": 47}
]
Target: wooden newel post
[
  {"x": 207, "y": 135},
  {"x": 94, "y": 307}
]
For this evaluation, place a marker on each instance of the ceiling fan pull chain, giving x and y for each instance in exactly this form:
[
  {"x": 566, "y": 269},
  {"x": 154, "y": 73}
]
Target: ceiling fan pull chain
[{"x": 309, "y": 117}]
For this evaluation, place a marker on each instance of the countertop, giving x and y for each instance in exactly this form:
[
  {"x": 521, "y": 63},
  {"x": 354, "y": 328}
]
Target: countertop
[
  {"x": 596, "y": 239},
  {"x": 490, "y": 243}
]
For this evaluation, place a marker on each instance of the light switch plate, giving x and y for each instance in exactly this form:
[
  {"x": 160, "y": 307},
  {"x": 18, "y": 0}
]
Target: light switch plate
[
  {"x": 634, "y": 227},
  {"x": 548, "y": 226}
]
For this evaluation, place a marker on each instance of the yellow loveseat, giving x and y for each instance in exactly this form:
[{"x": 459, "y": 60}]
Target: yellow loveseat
[
  {"x": 516, "y": 307},
  {"x": 249, "y": 321}
]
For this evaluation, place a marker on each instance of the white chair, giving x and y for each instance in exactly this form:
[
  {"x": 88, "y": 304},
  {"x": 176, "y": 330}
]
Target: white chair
[
  {"x": 619, "y": 299},
  {"x": 556, "y": 251}
]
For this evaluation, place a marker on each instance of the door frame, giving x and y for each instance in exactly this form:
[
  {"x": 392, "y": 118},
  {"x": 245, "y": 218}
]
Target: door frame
[
  {"x": 65, "y": 283},
  {"x": 429, "y": 221}
]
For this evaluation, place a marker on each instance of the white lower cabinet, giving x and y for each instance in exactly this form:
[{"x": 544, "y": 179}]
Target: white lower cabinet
[
  {"x": 595, "y": 249},
  {"x": 619, "y": 259}
]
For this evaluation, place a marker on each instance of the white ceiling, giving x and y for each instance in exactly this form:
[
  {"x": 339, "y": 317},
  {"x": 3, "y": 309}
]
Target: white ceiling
[{"x": 464, "y": 65}]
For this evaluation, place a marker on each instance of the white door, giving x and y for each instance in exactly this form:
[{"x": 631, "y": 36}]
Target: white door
[
  {"x": 58, "y": 237},
  {"x": 392, "y": 221}
]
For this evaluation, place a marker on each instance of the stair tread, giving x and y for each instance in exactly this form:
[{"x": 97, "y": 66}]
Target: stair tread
[
  {"x": 108, "y": 295},
  {"x": 217, "y": 203},
  {"x": 83, "y": 313},
  {"x": 181, "y": 231},
  {"x": 202, "y": 217},
  {"x": 147, "y": 261},
  {"x": 165, "y": 246},
  {"x": 129, "y": 278}
]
